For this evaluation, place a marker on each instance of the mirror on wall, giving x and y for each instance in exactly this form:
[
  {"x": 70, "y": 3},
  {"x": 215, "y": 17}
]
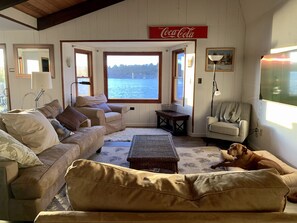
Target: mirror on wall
[{"x": 33, "y": 58}]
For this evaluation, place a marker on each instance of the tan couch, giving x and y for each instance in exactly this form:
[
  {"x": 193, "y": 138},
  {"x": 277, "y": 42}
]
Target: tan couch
[
  {"x": 112, "y": 117},
  {"x": 108, "y": 193},
  {"x": 24, "y": 192}
]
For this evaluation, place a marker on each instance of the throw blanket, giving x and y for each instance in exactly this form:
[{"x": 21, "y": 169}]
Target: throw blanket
[{"x": 229, "y": 112}]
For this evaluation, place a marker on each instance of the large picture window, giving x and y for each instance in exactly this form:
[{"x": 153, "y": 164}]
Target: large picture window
[
  {"x": 133, "y": 76},
  {"x": 178, "y": 76}
]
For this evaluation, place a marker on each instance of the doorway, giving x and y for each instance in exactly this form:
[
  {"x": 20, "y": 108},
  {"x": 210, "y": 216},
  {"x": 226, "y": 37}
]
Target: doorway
[{"x": 4, "y": 87}]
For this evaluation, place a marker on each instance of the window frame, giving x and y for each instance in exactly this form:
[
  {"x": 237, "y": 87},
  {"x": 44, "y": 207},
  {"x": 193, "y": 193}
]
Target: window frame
[
  {"x": 90, "y": 69},
  {"x": 174, "y": 71},
  {"x": 158, "y": 100}
]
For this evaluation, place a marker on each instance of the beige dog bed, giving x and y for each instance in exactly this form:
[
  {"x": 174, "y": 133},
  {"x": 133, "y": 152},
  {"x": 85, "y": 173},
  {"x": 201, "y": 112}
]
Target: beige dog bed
[{"x": 290, "y": 176}]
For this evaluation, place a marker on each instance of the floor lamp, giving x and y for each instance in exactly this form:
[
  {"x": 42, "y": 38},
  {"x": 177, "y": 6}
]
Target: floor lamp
[
  {"x": 77, "y": 82},
  {"x": 215, "y": 91},
  {"x": 41, "y": 81}
]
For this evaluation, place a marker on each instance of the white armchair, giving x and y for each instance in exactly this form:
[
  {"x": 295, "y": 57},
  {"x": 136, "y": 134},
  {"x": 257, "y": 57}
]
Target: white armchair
[{"x": 231, "y": 122}]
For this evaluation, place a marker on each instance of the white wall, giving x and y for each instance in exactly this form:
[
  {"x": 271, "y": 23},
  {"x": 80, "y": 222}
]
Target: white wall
[
  {"x": 278, "y": 121},
  {"x": 130, "y": 20}
]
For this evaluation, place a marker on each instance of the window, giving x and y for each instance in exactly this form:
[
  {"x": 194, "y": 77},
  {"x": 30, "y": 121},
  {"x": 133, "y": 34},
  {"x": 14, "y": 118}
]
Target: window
[
  {"x": 32, "y": 66},
  {"x": 133, "y": 76},
  {"x": 178, "y": 75},
  {"x": 293, "y": 83},
  {"x": 83, "y": 69}
]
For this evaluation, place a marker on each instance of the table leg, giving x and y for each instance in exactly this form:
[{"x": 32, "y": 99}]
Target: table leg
[
  {"x": 185, "y": 127},
  {"x": 174, "y": 128}
]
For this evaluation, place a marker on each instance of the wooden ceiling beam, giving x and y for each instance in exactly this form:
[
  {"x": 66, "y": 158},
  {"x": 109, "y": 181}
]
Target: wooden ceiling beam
[
  {"x": 73, "y": 12},
  {"x": 4, "y": 4}
]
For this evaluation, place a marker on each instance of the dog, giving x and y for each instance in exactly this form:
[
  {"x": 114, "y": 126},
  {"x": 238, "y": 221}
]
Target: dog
[{"x": 248, "y": 160}]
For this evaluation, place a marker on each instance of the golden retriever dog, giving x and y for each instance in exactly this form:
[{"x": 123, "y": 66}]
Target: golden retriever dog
[{"x": 248, "y": 160}]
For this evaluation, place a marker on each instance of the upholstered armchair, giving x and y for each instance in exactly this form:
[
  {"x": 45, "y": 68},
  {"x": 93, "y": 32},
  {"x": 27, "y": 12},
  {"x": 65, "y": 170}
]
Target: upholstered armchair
[
  {"x": 231, "y": 122},
  {"x": 96, "y": 108}
]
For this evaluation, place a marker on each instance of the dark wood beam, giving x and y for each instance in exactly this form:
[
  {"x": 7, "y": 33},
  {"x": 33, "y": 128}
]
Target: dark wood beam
[
  {"x": 4, "y": 4},
  {"x": 73, "y": 12}
]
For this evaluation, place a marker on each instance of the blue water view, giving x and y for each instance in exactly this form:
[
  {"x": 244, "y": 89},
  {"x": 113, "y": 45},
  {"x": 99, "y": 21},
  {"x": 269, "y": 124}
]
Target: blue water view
[{"x": 132, "y": 88}]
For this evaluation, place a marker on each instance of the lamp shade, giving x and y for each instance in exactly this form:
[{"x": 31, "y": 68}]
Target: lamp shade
[
  {"x": 215, "y": 58},
  {"x": 41, "y": 80}
]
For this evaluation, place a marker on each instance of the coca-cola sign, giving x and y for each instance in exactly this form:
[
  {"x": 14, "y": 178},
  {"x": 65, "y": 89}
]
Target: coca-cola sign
[{"x": 177, "y": 32}]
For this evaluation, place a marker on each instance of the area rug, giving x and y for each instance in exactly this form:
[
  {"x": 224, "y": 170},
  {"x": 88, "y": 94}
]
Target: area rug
[
  {"x": 127, "y": 134},
  {"x": 192, "y": 160}
]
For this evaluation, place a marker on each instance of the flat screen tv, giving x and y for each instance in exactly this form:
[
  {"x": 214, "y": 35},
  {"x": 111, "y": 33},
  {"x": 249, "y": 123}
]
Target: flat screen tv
[{"x": 279, "y": 77}]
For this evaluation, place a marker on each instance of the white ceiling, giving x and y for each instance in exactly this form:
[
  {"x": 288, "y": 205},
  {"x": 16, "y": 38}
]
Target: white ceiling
[
  {"x": 254, "y": 9},
  {"x": 6, "y": 24}
]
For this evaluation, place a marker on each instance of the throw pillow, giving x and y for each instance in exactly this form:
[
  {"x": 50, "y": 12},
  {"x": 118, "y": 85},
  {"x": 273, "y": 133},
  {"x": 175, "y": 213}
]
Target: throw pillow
[
  {"x": 62, "y": 131},
  {"x": 12, "y": 149},
  {"x": 32, "y": 129},
  {"x": 102, "y": 106},
  {"x": 71, "y": 118},
  {"x": 87, "y": 101},
  {"x": 52, "y": 109}
]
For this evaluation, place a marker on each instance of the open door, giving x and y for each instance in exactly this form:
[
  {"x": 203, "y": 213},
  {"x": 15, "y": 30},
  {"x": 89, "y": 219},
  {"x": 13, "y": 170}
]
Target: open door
[{"x": 4, "y": 90}]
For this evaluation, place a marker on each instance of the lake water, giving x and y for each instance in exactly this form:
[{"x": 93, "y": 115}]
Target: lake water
[{"x": 132, "y": 88}]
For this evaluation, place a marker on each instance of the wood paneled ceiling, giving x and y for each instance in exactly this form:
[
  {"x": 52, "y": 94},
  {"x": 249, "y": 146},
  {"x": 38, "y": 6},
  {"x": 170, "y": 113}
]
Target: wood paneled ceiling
[{"x": 53, "y": 12}]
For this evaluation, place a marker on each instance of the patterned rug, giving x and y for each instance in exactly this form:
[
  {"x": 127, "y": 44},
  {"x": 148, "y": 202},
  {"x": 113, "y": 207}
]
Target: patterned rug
[
  {"x": 192, "y": 160},
  {"x": 127, "y": 134}
]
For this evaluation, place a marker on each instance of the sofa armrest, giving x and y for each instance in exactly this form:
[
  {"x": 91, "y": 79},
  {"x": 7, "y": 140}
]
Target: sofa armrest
[
  {"x": 8, "y": 172},
  {"x": 118, "y": 108},
  {"x": 86, "y": 123},
  {"x": 96, "y": 115},
  {"x": 189, "y": 217},
  {"x": 210, "y": 120},
  {"x": 243, "y": 128}
]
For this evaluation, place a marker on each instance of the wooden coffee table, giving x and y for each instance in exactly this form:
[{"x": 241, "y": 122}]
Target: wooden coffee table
[{"x": 149, "y": 152}]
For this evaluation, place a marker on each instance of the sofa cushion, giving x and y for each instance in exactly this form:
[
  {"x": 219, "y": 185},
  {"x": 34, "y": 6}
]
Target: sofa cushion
[
  {"x": 71, "y": 118},
  {"x": 96, "y": 186},
  {"x": 52, "y": 109},
  {"x": 86, "y": 143},
  {"x": 225, "y": 128},
  {"x": 61, "y": 131},
  {"x": 34, "y": 182},
  {"x": 88, "y": 101},
  {"x": 31, "y": 128},
  {"x": 102, "y": 106},
  {"x": 112, "y": 116},
  {"x": 12, "y": 149}
]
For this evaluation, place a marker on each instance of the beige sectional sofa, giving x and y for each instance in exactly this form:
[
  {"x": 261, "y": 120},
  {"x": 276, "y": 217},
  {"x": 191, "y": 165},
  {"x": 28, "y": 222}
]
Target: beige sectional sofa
[
  {"x": 24, "y": 192},
  {"x": 107, "y": 193}
]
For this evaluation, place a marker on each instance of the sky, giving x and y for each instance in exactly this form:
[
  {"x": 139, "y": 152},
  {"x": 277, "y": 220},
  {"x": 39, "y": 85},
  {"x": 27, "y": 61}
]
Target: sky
[{"x": 131, "y": 60}]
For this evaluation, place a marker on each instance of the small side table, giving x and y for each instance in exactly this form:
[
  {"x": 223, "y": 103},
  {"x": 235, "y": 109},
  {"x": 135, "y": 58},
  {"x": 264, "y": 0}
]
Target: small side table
[{"x": 174, "y": 122}]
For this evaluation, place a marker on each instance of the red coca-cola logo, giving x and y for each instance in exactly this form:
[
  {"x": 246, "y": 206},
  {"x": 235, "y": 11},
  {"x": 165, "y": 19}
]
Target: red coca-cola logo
[
  {"x": 184, "y": 32},
  {"x": 178, "y": 32}
]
